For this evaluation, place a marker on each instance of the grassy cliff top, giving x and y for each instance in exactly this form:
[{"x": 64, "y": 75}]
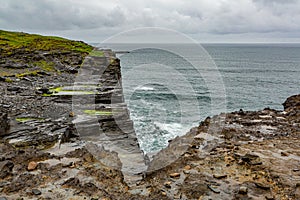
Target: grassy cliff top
[
  {"x": 10, "y": 41},
  {"x": 24, "y": 54}
]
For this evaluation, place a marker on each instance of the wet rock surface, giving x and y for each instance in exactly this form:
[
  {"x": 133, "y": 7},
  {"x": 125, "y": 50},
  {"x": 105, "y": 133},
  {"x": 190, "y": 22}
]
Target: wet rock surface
[{"x": 67, "y": 136}]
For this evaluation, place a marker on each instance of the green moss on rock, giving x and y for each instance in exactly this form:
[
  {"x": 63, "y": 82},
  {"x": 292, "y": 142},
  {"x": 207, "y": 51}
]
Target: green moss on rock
[
  {"x": 97, "y": 112},
  {"x": 8, "y": 80},
  {"x": 27, "y": 119},
  {"x": 62, "y": 91},
  {"x": 44, "y": 65},
  {"x": 28, "y": 73}
]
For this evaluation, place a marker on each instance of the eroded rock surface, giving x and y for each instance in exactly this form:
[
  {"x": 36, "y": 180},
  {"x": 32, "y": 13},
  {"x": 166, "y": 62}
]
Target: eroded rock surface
[
  {"x": 254, "y": 155},
  {"x": 68, "y": 136}
]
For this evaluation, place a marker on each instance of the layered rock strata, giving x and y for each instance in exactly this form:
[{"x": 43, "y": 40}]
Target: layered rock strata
[{"x": 67, "y": 136}]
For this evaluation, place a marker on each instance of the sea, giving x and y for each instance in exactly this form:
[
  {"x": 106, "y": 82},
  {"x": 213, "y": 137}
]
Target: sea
[{"x": 170, "y": 88}]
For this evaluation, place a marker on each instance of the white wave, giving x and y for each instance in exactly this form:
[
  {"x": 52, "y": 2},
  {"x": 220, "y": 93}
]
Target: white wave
[
  {"x": 172, "y": 128},
  {"x": 145, "y": 88}
]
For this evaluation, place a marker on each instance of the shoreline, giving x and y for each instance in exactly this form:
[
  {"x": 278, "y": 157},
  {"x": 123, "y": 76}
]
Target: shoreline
[{"x": 237, "y": 155}]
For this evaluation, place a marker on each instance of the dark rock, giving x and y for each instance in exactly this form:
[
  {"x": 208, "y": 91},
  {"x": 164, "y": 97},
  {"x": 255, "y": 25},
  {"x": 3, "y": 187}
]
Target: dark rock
[
  {"x": 5, "y": 183},
  {"x": 10, "y": 64},
  {"x": 292, "y": 102},
  {"x": 6, "y": 168},
  {"x": 168, "y": 184},
  {"x": 214, "y": 189},
  {"x": 284, "y": 153},
  {"x": 243, "y": 190},
  {"x": 38, "y": 92},
  {"x": 36, "y": 192},
  {"x": 69, "y": 133},
  {"x": 195, "y": 190},
  {"x": 45, "y": 90},
  {"x": 194, "y": 186},
  {"x": 242, "y": 197},
  {"x": 241, "y": 112},
  {"x": 89, "y": 188},
  {"x": 71, "y": 70},
  {"x": 43, "y": 73},
  {"x": 251, "y": 159},
  {"x": 15, "y": 89},
  {"x": 72, "y": 182},
  {"x": 262, "y": 186},
  {"x": 4, "y": 124}
]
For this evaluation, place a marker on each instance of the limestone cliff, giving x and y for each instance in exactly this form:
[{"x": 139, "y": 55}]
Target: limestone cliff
[{"x": 66, "y": 134}]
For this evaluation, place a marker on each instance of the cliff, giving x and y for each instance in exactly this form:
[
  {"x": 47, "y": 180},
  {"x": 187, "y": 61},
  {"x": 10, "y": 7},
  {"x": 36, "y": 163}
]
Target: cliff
[
  {"x": 66, "y": 134},
  {"x": 62, "y": 97},
  {"x": 238, "y": 155}
]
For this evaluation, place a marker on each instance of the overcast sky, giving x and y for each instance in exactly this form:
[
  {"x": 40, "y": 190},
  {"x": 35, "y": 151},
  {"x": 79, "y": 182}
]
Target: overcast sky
[{"x": 203, "y": 20}]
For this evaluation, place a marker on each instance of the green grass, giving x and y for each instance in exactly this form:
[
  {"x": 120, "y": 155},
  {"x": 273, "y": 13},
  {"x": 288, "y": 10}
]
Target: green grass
[
  {"x": 27, "y": 119},
  {"x": 8, "y": 80},
  {"x": 56, "y": 90},
  {"x": 96, "y": 53},
  {"x": 59, "y": 90},
  {"x": 98, "y": 112},
  {"x": 21, "y": 48},
  {"x": 10, "y": 41},
  {"x": 44, "y": 65},
  {"x": 28, "y": 73}
]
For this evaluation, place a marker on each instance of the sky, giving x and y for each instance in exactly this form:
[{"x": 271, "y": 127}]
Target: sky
[{"x": 219, "y": 21}]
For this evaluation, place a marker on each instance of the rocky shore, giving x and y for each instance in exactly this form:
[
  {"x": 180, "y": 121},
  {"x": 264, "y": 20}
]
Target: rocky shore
[{"x": 66, "y": 133}]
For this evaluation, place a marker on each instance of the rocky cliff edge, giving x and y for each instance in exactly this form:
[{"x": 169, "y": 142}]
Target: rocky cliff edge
[{"x": 238, "y": 155}]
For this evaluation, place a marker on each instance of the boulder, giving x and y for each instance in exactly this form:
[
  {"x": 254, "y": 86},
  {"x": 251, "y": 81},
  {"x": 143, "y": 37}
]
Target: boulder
[{"x": 293, "y": 102}]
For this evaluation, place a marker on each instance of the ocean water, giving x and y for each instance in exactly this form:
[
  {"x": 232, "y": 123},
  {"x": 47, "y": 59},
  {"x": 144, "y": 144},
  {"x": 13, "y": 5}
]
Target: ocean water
[{"x": 167, "y": 94}]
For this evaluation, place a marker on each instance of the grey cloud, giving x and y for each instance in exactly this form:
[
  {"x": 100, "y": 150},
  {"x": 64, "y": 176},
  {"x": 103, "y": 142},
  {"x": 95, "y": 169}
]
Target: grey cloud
[
  {"x": 272, "y": 2},
  {"x": 58, "y": 15},
  {"x": 191, "y": 17}
]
